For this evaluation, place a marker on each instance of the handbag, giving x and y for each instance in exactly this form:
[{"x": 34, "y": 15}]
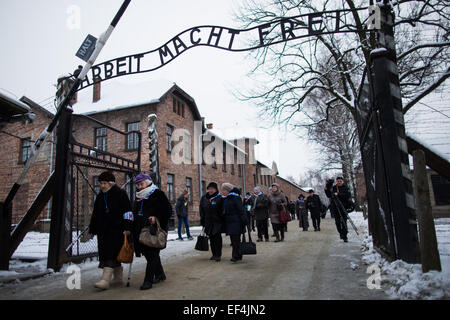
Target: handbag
[
  {"x": 202, "y": 242},
  {"x": 285, "y": 216},
  {"x": 126, "y": 252},
  {"x": 157, "y": 240},
  {"x": 247, "y": 247}
]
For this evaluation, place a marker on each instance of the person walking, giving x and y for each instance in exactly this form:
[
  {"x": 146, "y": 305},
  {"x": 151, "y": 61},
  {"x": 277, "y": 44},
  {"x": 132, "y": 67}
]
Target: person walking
[
  {"x": 260, "y": 208},
  {"x": 151, "y": 204},
  {"x": 248, "y": 210},
  {"x": 183, "y": 215},
  {"x": 342, "y": 193},
  {"x": 302, "y": 213},
  {"x": 235, "y": 218},
  {"x": 277, "y": 202},
  {"x": 291, "y": 209},
  {"x": 111, "y": 218},
  {"x": 314, "y": 205},
  {"x": 211, "y": 218}
]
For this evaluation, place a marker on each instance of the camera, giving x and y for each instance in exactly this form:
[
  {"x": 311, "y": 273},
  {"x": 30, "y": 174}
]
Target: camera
[{"x": 329, "y": 183}]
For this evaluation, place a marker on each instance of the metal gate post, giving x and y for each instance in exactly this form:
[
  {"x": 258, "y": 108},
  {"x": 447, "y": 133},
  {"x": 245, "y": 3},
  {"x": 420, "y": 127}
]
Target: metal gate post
[
  {"x": 5, "y": 234},
  {"x": 393, "y": 140},
  {"x": 58, "y": 228}
]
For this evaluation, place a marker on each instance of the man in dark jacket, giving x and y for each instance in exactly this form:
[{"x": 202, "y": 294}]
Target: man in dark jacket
[
  {"x": 182, "y": 214},
  {"x": 211, "y": 218},
  {"x": 235, "y": 218},
  {"x": 111, "y": 217},
  {"x": 302, "y": 213},
  {"x": 342, "y": 194},
  {"x": 314, "y": 205}
]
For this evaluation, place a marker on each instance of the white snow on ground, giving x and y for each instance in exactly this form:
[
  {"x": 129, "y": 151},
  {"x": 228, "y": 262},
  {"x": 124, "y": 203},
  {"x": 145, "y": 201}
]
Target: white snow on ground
[
  {"x": 399, "y": 280},
  {"x": 405, "y": 281},
  {"x": 35, "y": 246}
]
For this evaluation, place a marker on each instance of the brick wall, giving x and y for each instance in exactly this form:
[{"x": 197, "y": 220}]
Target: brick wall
[
  {"x": 10, "y": 151},
  {"x": 179, "y": 116}
]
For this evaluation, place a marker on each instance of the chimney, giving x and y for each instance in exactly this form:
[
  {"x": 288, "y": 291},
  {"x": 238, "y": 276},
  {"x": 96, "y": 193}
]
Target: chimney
[{"x": 96, "y": 92}]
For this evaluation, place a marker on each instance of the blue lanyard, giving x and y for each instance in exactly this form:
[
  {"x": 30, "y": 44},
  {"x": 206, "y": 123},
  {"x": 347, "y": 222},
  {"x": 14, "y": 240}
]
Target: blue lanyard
[
  {"x": 106, "y": 203},
  {"x": 140, "y": 211}
]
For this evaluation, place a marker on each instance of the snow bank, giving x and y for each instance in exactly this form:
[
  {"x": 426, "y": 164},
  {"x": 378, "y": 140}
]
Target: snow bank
[{"x": 401, "y": 280}]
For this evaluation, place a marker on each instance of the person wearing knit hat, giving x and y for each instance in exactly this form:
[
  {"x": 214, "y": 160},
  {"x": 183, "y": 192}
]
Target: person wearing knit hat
[
  {"x": 211, "y": 219},
  {"x": 339, "y": 192},
  {"x": 111, "y": 218},
  {"x": 151, "y": 204}
]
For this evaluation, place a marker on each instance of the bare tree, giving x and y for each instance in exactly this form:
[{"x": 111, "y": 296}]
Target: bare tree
[{"x": 313, "y": 82}]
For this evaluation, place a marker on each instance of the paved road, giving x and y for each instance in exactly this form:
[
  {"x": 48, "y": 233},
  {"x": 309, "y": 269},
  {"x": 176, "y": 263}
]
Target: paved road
[{"x": 307, "y": 265}]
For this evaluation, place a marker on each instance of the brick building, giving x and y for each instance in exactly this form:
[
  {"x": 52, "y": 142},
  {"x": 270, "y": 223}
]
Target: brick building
[
  {"x": 180, "y": 129},
  {"x": 16, "y": 138}
]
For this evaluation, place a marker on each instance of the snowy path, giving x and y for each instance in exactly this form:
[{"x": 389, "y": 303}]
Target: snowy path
[{"x": 308, "y": 265}]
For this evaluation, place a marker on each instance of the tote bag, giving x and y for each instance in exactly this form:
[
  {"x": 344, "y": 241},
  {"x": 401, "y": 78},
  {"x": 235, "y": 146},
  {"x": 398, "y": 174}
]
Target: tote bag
[{"x": 126, "y": 252}]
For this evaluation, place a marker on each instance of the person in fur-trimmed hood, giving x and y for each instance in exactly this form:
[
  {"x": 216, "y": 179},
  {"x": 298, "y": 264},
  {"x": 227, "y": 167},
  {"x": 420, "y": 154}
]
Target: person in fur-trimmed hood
[{"x": 111, "y": 217}]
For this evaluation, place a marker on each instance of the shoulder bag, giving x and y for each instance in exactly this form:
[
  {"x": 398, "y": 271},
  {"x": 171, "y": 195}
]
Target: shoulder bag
[{"x": 157, "y": 240}]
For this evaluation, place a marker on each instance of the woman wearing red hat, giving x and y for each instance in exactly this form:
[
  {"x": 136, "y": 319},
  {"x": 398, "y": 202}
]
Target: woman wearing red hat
[{"x": 111, "y": 217}]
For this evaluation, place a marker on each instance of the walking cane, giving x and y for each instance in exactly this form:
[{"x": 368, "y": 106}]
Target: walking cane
[{"x": 129, "y": 274}]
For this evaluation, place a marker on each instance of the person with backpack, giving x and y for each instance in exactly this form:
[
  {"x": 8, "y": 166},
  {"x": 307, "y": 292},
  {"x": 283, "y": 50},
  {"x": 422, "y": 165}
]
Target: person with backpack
[{"x": 341, "y": 193}]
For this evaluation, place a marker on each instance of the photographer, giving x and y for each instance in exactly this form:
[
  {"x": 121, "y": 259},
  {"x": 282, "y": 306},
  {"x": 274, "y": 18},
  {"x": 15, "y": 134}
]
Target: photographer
[{"x": 339, "y": 192}]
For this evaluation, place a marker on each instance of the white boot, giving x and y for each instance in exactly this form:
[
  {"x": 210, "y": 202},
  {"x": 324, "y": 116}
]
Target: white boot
[
  {"x": 118, "y": 275},
  {"x": 106, "y": 278}
]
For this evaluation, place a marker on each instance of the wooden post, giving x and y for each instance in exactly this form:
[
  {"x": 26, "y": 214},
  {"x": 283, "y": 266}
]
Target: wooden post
[
  {"x": 427, "y": 232},
  {"x": 5, "y": 234}
]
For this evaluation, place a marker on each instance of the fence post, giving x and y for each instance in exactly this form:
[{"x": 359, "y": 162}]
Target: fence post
[
  {"x": 60, "y": 208},
  {"x": 5, "y": 234},
  {"x": 393, "y": 140},
  {"x": 427, "y": 233}
]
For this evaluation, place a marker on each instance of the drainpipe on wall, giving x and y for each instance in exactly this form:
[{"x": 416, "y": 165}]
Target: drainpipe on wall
[
  {"x": 200, "y": 160},
  {"x": 51, "y": 169}
]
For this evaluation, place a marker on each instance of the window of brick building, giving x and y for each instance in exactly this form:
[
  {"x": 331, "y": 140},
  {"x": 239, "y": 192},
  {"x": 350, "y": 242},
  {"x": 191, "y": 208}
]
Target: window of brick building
[
  {"x": 100, "y": 138},
  {"x": 187, "y": 146},
  {"x": 96, "y": 185},
  {"x": 133, "y": 138},
  {"x": 169, "y": 132},
  {"x": 174, "y": 102},
  {"x": 240, "y": 170},
  {"x": 232, "y": 169},
  {"x": 203, "y": 186},
  {"x": 170, "y": 187},
  {"x": 25, "y": 150},
  {"x": 189, "y": 188}
]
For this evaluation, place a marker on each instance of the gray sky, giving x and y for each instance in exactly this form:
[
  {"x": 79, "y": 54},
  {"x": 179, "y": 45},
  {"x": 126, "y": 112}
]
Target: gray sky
[{"x": 40, "y": 39}]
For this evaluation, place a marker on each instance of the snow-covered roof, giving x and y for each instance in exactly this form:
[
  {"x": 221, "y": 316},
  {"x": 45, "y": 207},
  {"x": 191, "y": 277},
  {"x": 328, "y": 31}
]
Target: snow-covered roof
[
  {"x": 119, "y": 95},
  {"x": 10, "y": 105}
]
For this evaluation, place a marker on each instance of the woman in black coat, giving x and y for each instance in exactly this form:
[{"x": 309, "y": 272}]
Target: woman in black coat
[
  {"x": 211, "y": 218},
  {"x": 110, "y": 218},
  {"x": 235, "y": 218},
  {"x": 151, "y": 203}
]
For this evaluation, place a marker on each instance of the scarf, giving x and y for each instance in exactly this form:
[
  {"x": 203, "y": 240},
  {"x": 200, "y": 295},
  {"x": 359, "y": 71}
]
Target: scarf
[{"x": 145, "y": 193}]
